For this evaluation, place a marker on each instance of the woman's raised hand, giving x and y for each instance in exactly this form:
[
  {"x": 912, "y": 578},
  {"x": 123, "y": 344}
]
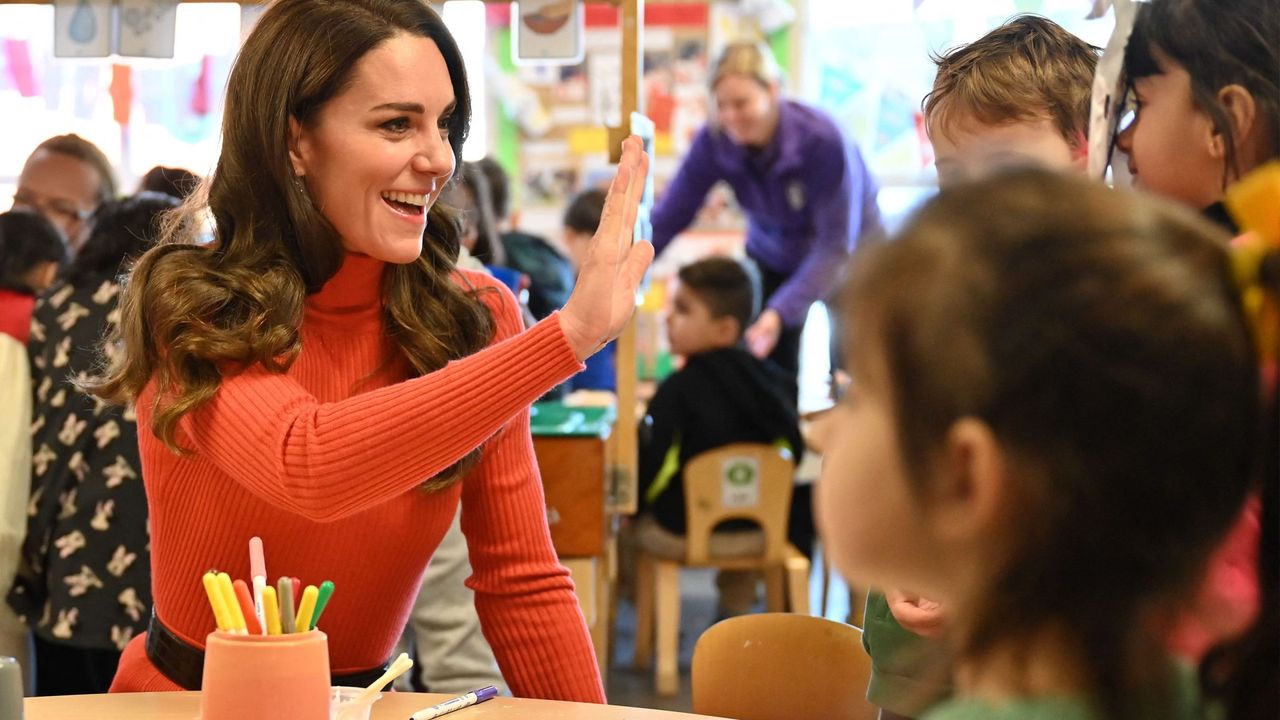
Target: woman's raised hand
[{"x": 604, "y": 297}]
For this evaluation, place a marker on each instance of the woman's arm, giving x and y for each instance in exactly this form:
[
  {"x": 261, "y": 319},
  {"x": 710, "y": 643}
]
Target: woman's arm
[
  {"x": 524, "y": 597},
  {"x": 326, "y": 461},
  {"x": 683, "y": 197}
]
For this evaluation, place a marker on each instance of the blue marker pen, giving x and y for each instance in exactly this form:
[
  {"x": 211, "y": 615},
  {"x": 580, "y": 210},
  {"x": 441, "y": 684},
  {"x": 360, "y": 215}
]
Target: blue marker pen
[{"x": 463, "y": 701}]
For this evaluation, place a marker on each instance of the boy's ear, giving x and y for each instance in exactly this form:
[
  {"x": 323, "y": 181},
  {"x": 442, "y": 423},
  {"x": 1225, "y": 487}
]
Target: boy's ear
[
  {"x": 1080, "y": 152},
  {"x": 972, "y": 488},
  {"x": 1242, "y": 112},
  {"x": 727, "y": 330}
]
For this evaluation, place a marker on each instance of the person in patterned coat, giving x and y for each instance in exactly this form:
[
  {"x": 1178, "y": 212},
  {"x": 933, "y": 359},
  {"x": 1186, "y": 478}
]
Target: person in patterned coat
[{"x": 84, "y": 585}]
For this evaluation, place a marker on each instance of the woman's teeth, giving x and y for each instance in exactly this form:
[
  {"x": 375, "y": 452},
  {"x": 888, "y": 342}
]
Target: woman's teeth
[{"x": 406, "y": 198}]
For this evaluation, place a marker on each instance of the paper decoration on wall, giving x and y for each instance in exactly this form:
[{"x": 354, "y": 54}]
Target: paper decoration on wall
[
  {"x": 146, "y": 28},
  {"x": 772, "y": 15},
  {"x": 82, "y": 28},
  {"x": 547, "y": 31},
  {"x": 121, "y": 93},
  {"x": 18, "y": 59}
]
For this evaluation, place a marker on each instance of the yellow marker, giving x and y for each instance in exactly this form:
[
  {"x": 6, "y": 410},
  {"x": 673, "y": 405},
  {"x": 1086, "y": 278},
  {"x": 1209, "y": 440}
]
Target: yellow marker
[
  {"x": 216, "y": 602},
  {"x": 271, "y": 608},
  {"x": 305, "y": 608},
  {"x": 233, "y": 605}
]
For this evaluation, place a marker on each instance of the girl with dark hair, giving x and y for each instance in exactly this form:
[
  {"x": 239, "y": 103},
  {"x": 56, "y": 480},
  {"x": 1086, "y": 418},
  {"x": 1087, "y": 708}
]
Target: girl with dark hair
[
  {"x": 1204, "y": 78},
  {"x": 88, "y": 517},
  {"x": 1055, "y": 415},
  {"x": 323, "y": 376}
]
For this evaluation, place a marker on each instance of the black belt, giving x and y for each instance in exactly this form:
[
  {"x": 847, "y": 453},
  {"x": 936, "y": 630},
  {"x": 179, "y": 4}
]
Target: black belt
[{"x": 183, "y": 663}]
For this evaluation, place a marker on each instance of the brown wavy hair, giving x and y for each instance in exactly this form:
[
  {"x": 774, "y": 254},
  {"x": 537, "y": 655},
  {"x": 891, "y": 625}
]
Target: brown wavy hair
[{"x": 193, "y": 311}]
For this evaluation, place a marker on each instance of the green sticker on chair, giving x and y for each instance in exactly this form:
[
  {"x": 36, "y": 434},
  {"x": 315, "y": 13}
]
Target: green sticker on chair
[{"x": 740, "y": 482}]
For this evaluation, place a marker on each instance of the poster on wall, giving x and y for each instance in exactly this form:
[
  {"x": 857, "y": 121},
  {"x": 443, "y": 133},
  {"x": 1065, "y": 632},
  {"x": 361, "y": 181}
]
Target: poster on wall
[
  {"x": 147, "y": 28},
  {"x": 547, "y": 31},
  {"x": 81, "y": 28}
]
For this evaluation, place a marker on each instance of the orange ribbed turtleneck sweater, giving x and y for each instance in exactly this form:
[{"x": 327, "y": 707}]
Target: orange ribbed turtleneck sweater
[{"x": 326, "y": 469}]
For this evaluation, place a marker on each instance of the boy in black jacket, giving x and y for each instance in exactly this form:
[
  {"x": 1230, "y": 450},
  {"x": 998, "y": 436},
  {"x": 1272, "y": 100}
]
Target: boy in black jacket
[{"x": 723, "y": 395}]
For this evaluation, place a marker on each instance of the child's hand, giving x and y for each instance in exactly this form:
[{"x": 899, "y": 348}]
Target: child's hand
[{"x": 919, "y": 615}]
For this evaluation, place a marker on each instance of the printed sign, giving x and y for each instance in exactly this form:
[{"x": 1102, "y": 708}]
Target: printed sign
[
  {"x": 548, "y": 31},
  {"x": 740, "y": 482},
  {"x": 82, "y": 28},
  {"x": 147, "y": 28}
]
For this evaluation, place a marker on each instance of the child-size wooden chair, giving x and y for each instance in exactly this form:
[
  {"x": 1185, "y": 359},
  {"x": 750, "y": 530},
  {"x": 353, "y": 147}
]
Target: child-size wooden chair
[
  {"x": 740, "y": 481},
  {"x": 781, "y": 666}
]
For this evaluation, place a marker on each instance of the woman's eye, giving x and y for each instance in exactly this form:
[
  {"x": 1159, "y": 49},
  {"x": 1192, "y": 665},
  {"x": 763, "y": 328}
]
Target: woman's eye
[
  {"x": 397, "y": 125},
  {"x": 444, "y": 123}
]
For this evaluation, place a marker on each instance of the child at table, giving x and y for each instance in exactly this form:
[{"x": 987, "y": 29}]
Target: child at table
[
  {"x": 1052, "y": 424},
  {"x": 722, "y": 395}
]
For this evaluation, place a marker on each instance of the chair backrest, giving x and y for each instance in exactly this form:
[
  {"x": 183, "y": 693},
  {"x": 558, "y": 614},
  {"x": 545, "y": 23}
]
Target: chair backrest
[
  {"x": 744, "y": 480},
  {"x": 782, "y": 666}
]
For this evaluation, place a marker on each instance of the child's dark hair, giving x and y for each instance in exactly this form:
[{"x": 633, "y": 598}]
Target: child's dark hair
[
  {"x": 488, "y": 248},
  {"x": 1218, "y": 43},
  {"x": 1030, "y": 67},
  {"x": 584, "y": 211},
  {"x": 1101, "y": 338},
  {"x": 27, "y": 239},
  {"x": 122, "y": 231},
  {"x": 171, "y": 181},
  {"x": 499, "y": 186},
  {"x": 727, "y": 286}
]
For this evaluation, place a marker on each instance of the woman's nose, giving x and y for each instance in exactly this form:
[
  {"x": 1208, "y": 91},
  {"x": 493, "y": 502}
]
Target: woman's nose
[{"x": 434, "y": 157}]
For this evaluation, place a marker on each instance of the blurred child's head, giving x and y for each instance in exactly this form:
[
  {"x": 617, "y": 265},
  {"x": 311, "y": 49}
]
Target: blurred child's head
[
  {"x": 468, "y": 194},
  {"x": 581, "y": 220},
  {"x": 1018, "y": 96},
  {"x": 714, "y": 303},
  {"x": 1053, "y": 414},
  {"x": 172, "y": 181},
  {"x": 32, "y": 251},
  {"x": 499, "y": 187},
  {"x": 122, "y": 231},
  {"x": 1205, "y": 78}
]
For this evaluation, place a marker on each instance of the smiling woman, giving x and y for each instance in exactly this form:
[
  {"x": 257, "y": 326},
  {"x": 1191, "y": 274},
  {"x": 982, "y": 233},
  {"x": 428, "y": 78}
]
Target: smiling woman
[{"x": 276, "y": 369}]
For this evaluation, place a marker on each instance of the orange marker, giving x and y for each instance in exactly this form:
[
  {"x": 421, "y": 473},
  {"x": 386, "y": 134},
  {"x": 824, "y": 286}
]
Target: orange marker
[{"x": 245, "y": 599}]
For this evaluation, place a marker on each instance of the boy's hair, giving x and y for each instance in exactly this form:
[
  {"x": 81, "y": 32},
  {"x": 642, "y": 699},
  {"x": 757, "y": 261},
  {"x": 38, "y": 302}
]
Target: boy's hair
[
  {"x": 1219, "y": 43},
  {"x": 727, "y": 287},
  {"x": 122, "y": 231},
  {"x": 584, "y": 211},
  {"x": 1028, "y": 68},
  {"x": 1100, "y": 336},
  {"x": 86, "y": 152},
  {"x": 26, "y": 240}
]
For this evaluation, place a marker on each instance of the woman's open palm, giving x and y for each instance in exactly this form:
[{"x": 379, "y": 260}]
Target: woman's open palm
[{"x": 604, "y": 297}]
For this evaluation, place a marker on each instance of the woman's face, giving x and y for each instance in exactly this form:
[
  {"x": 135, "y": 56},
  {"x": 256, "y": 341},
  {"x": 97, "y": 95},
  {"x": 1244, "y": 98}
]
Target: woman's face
[
  {"x": 1172, "y": 146},
  {"x": 746, "y": 110},
  {"x": 377, "y": 155}
]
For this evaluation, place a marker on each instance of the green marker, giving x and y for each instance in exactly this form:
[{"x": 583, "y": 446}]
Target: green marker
[{"x": 326, "y": 592}]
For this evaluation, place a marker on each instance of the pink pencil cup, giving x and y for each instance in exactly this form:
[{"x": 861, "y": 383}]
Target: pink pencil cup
[{"x": 266, "y": 677}]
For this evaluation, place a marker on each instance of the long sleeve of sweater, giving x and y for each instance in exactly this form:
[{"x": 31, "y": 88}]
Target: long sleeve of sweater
[{"x": 327, "y": 461}]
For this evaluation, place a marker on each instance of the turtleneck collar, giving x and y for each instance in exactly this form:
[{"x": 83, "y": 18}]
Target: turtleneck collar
[{"x": 352, "y": 298}]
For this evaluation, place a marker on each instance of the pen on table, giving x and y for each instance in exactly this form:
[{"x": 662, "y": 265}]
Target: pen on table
[
  {"x": 258, "y": 575},
  {"x": 271, "y": 608},
  {"x": 306, "y": 608},
  {"x": 233, "y": 606},
  {"x": 245, "y": 600},
  {"x": 220, "y": 614},
  {"x": 285, "y": 588},
  {"x": 326, "y": 592},
  {"x": 462, "y": 701}
]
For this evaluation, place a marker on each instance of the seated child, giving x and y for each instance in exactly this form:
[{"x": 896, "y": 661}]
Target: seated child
[
  {"x": 722, "y": 395},
  {"x": 1017, "y": 96},
  {"x": 581, "y": 219},
  {"x": 1052, "y": 424}
]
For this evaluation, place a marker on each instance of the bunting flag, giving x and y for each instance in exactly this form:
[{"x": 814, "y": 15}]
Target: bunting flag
[
  {"x": 18, "y": 58},
  {"x": 121, "y": 93},
  {"x": 201, "y": 96}
]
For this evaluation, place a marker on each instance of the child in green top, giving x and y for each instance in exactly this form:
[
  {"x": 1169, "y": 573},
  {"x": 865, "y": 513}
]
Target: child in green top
[
  {"x": 1017, "y": 96},
  {"x": 1053, "y": 420}
]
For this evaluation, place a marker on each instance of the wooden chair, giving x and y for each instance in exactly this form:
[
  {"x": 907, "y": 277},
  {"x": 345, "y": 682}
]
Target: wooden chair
[
  {"x": 779, "y": 666},
  {"x": 741, "y": 481}
]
